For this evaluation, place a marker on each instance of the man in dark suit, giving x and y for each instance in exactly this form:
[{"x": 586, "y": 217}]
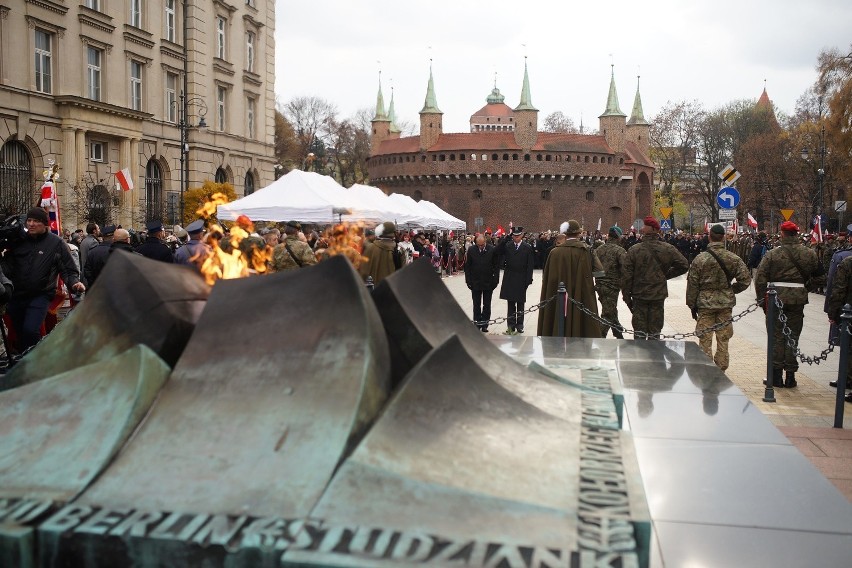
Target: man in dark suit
[
  {"x": 481, "y": 274},
  {"x": 518, "y": 261},
  {"x": 154, "y": 247}
]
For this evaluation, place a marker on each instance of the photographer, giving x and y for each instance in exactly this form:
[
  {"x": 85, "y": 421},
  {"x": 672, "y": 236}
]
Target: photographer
[{"x": 34, "y": 263}]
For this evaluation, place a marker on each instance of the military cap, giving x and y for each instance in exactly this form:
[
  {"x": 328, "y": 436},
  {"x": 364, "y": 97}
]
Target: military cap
[
  {"x": 717, "y": 229},
  {"x": 196, "y": 226},
  {"x": 154, "y": 226},
  {"x": 108, "y": 230},
  {"x": 386, "y": 229},
  {"x": 569, "y": 227},
  {"x": 294, "y": 225},
  {"x": 651, "y": 222},
  {"x": 616, "y": 230},
  {"x": 849, "y": 228},
  {"x": 789, "y": 226},
  {"x": 517, "y": 231}
]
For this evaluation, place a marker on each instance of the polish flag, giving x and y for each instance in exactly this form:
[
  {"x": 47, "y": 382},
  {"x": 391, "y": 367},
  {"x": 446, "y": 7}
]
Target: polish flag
[
  {"x": 816, "y": 232},
  {"x": 500, "y": 231},
  {"x": 124, "y": 180},
  {"x": 736, "y": 227},
  {"x": 752, "y": 222},
  {"x": 706, "y": 226}
]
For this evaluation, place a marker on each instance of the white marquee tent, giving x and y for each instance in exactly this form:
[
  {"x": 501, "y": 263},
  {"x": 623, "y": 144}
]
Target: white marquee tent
[{"x": 312, "y": 198}]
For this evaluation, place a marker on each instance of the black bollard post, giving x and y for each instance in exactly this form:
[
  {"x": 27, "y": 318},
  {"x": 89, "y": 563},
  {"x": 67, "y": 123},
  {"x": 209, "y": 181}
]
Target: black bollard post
[
  {"x": 771, "y": 315},
  {"x": 561, "y": 292},
  {"x": 370, "y": 284},
  {"x": 843, "y": 326}
]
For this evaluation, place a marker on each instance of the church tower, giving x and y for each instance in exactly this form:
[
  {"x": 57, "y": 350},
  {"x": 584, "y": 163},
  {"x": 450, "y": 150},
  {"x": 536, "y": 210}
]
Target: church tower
[
  {"x": 393, "y": 129},
  {"x": 381, "y": 123},
  {"x": 613, "y": 121},
  {"x": 638, "y": 130},
  {"x": 430, "y": 117},
  {"x": 526, "y": 117}
]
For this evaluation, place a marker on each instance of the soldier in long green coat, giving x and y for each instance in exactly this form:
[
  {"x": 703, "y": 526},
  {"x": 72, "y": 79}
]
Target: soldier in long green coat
[
  {"x": 611, "y": 255},
  {"x": 572, "y": 262}
]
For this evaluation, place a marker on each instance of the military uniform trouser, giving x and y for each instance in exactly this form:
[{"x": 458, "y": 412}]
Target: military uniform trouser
[
  {"x": 609, "y": 309},
  {"x": 784, "y": 356},
  {"x": 648, "y": 317},
  {"x": 708, "y": 318}
]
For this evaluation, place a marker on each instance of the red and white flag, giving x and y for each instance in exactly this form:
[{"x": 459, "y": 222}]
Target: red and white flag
[
  {"x": 736, "y": 226},
  {"x": 816, "y": 232},
  {"x": 124, "y": 179},
  {"x": 706, "y": 226},
  {"x": 752, "y": 222}
]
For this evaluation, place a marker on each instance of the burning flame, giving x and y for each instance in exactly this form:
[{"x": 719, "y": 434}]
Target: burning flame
[
  {"x": 343, "y": 239},
  {"x": 236, "y": 256}
]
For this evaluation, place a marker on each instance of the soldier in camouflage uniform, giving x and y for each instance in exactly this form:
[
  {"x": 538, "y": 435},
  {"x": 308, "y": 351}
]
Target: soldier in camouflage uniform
[
  {"x": 788, "y": 266},
  {"x": 292, "y": 253},
  {"x": 611, "y": 254},
  {"x": 711, "y": 295},
  {"x": 647, "y": 266},
  {"x": 840, "y": 293}
]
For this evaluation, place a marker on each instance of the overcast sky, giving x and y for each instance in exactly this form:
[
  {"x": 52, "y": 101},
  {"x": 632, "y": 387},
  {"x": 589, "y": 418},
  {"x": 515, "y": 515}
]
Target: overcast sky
[{"x": 714, "y": 51}]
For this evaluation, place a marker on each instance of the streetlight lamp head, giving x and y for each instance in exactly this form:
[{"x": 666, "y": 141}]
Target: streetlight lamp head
[
  {"x": 202, "y": 123},
  {"x": 805, "y": 153}
]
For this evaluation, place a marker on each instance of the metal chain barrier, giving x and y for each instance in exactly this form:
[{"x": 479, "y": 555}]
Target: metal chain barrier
[
  {"x": 676, "y": 336},
  {"x": 793, "y": 344},
  {"x": 516, "y": 314}
]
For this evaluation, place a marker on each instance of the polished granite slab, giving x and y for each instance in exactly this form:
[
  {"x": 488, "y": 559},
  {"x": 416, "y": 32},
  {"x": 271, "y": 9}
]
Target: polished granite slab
[{"x": 724, "y": 486}]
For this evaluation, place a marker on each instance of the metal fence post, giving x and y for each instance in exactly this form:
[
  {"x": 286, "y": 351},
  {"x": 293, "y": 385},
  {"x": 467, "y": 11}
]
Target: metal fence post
[
  {"x": 842, "y": 371},
  {"x": 769, "y": 391},
  {"x": 370, "y": 284},
  {"x": 561, "y": 293}
]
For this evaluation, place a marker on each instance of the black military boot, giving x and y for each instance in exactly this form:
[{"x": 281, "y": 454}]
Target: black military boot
[{"x": 790, "y": 383}]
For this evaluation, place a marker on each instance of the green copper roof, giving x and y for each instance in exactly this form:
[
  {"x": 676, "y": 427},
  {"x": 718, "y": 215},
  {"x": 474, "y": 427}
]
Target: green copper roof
[
  {"x": 637, "y": 116},
  {"x": 612, "y": 100},
  {"x": 495, "y": 97},
  {"x": 526, "y": 100},
  {"x": 431, "y": 104},
  {"x": 381, "y": 115},
  {"x": 392, "y": 116}
]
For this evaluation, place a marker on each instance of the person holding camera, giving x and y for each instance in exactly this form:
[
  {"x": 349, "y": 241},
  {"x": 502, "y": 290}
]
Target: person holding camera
[{"x": 33, "y": 264}]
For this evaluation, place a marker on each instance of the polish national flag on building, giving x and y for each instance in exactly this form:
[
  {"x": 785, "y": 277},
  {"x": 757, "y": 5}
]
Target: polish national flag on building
[
  {"x": 752, "y": 222},
  {"x": 124, "y": 179},
  {"x": 816, "y": 232}
]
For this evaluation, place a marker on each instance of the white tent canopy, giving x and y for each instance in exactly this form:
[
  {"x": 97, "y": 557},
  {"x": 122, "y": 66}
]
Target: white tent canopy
[{"x": 312, "y": 198}]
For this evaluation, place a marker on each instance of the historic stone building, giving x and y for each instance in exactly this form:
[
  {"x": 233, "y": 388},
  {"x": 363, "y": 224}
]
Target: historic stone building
[
  {"x": 98, "y": 86},
  {"x": 505, "y": 169}
]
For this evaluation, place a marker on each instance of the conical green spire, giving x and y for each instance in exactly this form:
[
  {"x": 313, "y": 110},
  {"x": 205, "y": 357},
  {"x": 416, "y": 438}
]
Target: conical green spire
[
  {"x": 612, "y": 100},
  {"x": 381, "y": 115},
  {"x": 637, "y": 116},
  {"x": 394, "y": 129},
  {"x": 526, "y": 99},
  {"x": 431, "y": 104}
]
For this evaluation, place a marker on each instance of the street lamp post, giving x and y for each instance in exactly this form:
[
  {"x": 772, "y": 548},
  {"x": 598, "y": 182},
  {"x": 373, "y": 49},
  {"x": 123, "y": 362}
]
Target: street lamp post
[
  {"x": 184, "y": 125},
  {"x": 820, "y": 171}
]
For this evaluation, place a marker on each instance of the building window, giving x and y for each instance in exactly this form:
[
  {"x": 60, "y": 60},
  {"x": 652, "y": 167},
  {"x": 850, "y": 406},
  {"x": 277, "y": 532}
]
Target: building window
[
  {"x": 515, "y": 157},
  {"x": 220, "y": 108},
  {"x": 484, "y": 157},
  {"x": 538, "y": 157},
  {"x": 96, "y": 151},
  {"x": 221, "y": 176},
  {"x": 93, "y": 4},
  {"x": 43, "y": 57},
  {"x": 171, "y": 22},
  {"x": 494, "y": 157},
  {"x": 594, "y": 159},
  {"x": 249, "y": 188},
  {"x": 135, "y": 85},
  {"x": 220, "y": 37},
  {"x": 153, "y": 191},
  {"x": 251, "y": 108},
  {"x": 171, "y": 97},
  {"x": 250, "y": 51},
  {"x": 93, "y": 74},
  {"x": 462, "y": 157},
  {"x": 17, "y": 190},
  {"x": 136, "y": 13},
  {"x": 590, "y": 196}
]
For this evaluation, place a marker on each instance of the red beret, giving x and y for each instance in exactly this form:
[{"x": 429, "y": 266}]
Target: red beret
[
  {"x": 789, "y": 226},
  {"x": 652, "y": 222}
]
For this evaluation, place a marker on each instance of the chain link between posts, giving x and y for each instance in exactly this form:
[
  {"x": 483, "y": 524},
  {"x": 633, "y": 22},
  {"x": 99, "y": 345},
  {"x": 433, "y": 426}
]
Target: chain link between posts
[
  {"x": 793, "y": 344},
  {"x": 535, "y": 308}
]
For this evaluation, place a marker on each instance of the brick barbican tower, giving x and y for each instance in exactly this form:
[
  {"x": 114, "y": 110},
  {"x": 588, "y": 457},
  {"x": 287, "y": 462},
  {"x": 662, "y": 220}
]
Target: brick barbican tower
[
  {"x": 430, "y": 117},
  {"x": 381, "y": 122},
  {"x": 526, "y": 117},
  {"x": 613, "y": 121},
  {"x": 638, "y": 130}
]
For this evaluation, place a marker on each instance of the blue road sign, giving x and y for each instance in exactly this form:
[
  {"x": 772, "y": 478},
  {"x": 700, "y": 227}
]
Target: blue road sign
[
  {"x": 665, "y": 225},
  {"x": 728, "y": 197}
]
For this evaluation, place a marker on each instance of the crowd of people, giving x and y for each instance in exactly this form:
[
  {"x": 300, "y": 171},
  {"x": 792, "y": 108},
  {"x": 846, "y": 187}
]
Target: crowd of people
[{"x": 39, "y": 268}]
